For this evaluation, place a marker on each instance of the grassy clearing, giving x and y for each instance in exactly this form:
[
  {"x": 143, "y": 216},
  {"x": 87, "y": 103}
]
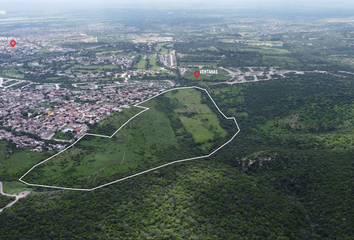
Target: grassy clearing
[
  {"x": 203, "y": 123},
  {"x": 94, "y": 68},
  {"x": 8, "y": 83},
  {"x": 109, "y": 125},
  {"x": 222, "y": 76},
  {"x": 96, "y": 157},
  {"x": 141, "y": 64},
  {"x": 146, "y": 141},
  {"x": 274, "y": 51},
  {"x": 12, "y": 73},
  {"x": 15, "y": 187},
  {"x": 183, "y": 63},
  {"x": 153, "y": 59},
  {"x": 13, "y": 166},
  {"x": 62, "y": 136},
  {"x": 163, "y": 48},
  {"x": 109, "y": 52},
  {"x": 196, "y": 119}
]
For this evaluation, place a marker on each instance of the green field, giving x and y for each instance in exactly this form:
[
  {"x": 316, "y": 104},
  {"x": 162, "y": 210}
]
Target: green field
[
  {"x": 141, "y": 64},
  {"x": 94, "y": 68},
  {"x": 15, "y": 187},
  {"x": 197, "y": 118},
  {"x": 13, "y": 166},
  {"x": 163, "y": 48},
  {"x": 175, "y": 122},
  {"x": 275, "y": 51},
  {"x": 12, "y": 73},
  {"x": 109, "y": 52},
  {"x": 8, "y": 83},
  {"x": 109, "y": 125},
  {"x": 62, "y": 136},
  {"x": 153, "y": 59},
  {"x": 222, "y": 76}
]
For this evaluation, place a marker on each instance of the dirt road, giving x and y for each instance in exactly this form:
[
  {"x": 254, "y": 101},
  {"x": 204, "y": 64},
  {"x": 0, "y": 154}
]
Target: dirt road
[{"x": 20, "y": 195}]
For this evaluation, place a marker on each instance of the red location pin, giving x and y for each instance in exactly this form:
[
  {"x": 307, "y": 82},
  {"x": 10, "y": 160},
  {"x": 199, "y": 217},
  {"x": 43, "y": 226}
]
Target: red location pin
[
  {"x": 13, "y": 43},
  {"x": 196, "y": 74}
]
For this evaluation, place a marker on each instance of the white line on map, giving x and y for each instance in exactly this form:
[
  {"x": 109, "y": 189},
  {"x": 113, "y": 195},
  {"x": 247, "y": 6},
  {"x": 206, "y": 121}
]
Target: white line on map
[{"x": 143, "y": 172}]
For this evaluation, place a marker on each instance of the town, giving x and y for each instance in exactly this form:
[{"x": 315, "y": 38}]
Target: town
[{"x": 47, "y": 112}]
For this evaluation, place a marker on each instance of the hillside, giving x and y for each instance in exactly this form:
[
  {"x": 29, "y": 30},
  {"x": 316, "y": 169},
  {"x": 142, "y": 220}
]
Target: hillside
[{"x": 177, "y": 125}]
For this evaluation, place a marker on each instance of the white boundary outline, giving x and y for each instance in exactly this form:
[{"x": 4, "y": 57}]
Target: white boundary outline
[{"x": 137, "y": 174}]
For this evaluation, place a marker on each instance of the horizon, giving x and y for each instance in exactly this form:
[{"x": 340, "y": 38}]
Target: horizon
[{"x": 66, "y": 5}]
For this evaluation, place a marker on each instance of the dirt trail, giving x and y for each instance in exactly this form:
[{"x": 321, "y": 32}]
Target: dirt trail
[{"x": 20, "y": 195}]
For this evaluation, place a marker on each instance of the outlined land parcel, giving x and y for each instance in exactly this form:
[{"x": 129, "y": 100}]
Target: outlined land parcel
[{"x": 180, "y": 124}]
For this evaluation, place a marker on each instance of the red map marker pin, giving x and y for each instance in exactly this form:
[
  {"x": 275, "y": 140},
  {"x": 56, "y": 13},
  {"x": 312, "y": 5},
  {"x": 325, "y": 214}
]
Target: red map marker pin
[
  {"x": 13, "y": 43},
  {"x": 196, "y": 74}
]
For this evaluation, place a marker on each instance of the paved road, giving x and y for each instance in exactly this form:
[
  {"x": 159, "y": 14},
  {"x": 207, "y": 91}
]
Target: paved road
[{"x": 20, "y": 195}]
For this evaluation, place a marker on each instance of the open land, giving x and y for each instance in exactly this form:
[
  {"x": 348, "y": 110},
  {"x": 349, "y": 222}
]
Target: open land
[
  {"x": 289, "y": 83},
  {"x": 152, "y": 138}
]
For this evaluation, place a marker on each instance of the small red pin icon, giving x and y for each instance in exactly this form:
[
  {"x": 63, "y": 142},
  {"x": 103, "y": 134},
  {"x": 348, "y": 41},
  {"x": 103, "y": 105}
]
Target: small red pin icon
[
  {"x": 13, "y": 43},
  {"x": 196, "y": 74}
]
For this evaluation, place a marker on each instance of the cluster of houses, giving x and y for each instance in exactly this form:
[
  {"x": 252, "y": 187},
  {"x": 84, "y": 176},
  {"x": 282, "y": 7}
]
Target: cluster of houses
[
  {"x": 153, "y": 39},
  {"x": 122, "y": 62},
  {"x": 46, "y": 112},
  {"x": 22, "y": 141},
  {"x": 22, "y": 49}
]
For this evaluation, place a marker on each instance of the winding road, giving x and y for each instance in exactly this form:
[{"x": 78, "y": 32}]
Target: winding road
[{"x": 20, "y": 195}]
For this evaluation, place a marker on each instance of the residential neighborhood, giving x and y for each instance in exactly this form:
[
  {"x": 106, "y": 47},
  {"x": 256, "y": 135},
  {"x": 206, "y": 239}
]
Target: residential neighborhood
[{"x": 45, "y": 112}]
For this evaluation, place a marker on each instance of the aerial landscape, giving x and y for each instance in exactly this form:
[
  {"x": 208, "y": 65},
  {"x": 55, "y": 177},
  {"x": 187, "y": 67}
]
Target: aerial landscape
[{"x": 183, "y": 120}]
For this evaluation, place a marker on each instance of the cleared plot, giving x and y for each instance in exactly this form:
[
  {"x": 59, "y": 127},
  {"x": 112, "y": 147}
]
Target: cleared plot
[
  {"x": 163, "y": 48},
  {"x": 12, "y": 166},
  {"x": 94, "y": 68},
  {"x": 197, "y": 118},
  {"x": 12, "y": 73},
  {"x": 155, "y": 137},
  {"x": 222, "y": 76},
  {"x": 8, "y": 83},
  {"x": 14, "y": 187},
  {"x": 62, "y": 136},
  {"x": 110, "y": 125},
  {"x": 141, "y": 64},
  {"x": 153, "y": 59},
  {"x": 109, "y": 52},
  {"x": 275, "y": 51}
]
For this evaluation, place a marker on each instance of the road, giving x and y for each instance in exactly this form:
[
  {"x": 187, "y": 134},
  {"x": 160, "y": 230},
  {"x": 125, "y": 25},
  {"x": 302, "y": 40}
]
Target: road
[
  {"x": 20, "y": 195},
  {"x": 232, "y": 74},
  {"x": 18, "y": 81}
]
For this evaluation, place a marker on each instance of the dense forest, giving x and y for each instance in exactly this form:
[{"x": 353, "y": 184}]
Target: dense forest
[
  {"x": 4, "y": 200},
  {"x": 287, "y": 175}
]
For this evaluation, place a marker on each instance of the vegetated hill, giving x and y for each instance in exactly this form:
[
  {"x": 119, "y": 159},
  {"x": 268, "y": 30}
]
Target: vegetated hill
[
  {"x": 297, "y": 137},
  {"x": 282, "y": 177},
  {"x": 195, "y": 200},
  {"x": 4, "y": 200}
]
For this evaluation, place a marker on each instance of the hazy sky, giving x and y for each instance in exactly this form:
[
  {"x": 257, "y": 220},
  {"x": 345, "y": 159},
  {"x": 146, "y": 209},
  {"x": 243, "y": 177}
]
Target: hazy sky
[{"x": 40, "y": 5}]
